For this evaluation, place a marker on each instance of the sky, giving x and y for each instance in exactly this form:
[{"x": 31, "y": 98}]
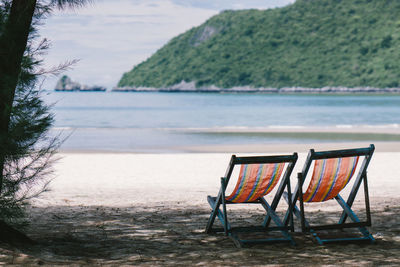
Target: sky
[{"x": 110, "y": 37}]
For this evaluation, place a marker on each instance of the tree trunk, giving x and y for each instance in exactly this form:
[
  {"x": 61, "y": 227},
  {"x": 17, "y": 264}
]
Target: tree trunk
[
  {"x": 12, "y": 236},
  {"x": 13, "y": 43}
]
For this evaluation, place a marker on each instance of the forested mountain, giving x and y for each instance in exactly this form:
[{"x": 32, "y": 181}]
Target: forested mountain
[{"x": 311, "y": 43}]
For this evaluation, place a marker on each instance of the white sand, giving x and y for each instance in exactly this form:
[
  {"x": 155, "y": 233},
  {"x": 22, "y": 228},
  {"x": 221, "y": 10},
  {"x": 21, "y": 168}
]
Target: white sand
[
  {"x": 118, "y": 209},
  {"x": 131, "y": 179}
]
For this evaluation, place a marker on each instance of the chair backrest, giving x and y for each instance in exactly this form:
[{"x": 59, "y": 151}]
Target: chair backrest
[
  {"x": 330, "y": 176},
  {"x": 258, "y": 175},
  {"x": 255, "y": 181},
  {"x": 333, "y": 170}
]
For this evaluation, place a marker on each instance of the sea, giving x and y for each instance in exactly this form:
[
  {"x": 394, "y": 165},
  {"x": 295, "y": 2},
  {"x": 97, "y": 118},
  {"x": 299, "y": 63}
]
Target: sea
[{"x": 170, "y": 122}]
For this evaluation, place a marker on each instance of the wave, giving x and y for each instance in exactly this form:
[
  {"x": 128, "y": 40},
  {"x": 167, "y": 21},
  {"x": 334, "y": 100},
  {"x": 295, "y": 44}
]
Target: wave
[{"x": 346, "y": 128}]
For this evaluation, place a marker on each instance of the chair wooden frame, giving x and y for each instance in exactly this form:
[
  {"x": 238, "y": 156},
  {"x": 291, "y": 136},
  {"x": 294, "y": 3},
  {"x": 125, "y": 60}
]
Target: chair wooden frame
[
  {"x": 346, "y": 205},
  {"x": 216, "y": 202}
]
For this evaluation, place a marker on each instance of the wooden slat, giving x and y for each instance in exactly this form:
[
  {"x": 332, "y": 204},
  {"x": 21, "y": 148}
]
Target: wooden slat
[
  {"x": 265, "y": 159},
  {"x": 343, "y": 153},
  {"x": 335, "y": 226}
]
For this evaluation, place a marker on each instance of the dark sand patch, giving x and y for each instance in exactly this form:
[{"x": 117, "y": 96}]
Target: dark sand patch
[{"x": 173, "y": 234}]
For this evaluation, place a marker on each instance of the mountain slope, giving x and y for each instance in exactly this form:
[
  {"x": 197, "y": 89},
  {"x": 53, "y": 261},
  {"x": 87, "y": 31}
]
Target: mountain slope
[{"x": 311, "y": 43}]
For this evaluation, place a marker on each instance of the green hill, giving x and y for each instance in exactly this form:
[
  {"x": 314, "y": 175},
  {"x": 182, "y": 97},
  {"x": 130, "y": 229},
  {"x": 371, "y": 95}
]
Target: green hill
[{"x": 311, "y": 43}]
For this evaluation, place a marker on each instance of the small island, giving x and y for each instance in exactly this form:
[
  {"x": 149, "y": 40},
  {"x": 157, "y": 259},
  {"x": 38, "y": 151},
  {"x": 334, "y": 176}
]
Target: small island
[{"x": 65, "y": 84}]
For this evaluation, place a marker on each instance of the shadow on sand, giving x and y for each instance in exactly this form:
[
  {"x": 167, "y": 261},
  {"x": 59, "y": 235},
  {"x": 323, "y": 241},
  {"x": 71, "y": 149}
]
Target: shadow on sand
[{"x": 161, "y": 235}]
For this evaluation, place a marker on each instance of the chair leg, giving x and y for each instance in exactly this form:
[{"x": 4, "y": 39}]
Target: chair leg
[
  {"x": 215, "y": 209},
  {"x": 278, "y": 195},
  {"x": 302, "y": 216},
  {"x": 352, "y": 196},
  {"x": 277, "y": 221},
  {"x": 286, "y": 219},
  {"x": 225, "y": 216},
  {"x": 275, "y": 202},
  {"x": 350, "y": 213},
  {"x": 296, "y": 211},
  {"x": 215, "y": 213},
  {"x": 290, "y": 207},
  {"x": 297, "y": 214}
]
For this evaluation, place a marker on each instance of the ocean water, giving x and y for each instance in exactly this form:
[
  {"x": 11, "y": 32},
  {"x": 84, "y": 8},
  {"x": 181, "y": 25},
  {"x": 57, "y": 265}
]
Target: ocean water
[{"x": 159, "y": 122}]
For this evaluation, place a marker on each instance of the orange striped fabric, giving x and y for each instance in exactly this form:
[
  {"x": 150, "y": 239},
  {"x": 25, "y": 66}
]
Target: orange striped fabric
[
  {"x": 255, "y": 181},
  {"x": 329, "y": 177}
]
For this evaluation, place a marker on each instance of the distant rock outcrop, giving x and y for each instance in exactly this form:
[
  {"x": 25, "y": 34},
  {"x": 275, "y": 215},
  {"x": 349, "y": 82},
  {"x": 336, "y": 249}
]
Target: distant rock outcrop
[
  {"x": 66, "y": 84},
  {"x": 204, "y": 34},
  {"x": 190, "y": 87}
]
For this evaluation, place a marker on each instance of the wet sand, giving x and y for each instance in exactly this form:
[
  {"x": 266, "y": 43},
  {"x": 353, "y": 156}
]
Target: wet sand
[{"x": 290, "y": 148}]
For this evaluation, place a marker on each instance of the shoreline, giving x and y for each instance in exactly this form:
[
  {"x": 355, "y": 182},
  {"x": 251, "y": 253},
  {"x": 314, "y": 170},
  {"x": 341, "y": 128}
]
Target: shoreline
[
  {"x": 190, "y": 87},
  {"x": 290, "y": 148},
  {"x": 243, "y": 148},
  {"x": 358, "y": 129},
  {"x": 240, "y": 139}
]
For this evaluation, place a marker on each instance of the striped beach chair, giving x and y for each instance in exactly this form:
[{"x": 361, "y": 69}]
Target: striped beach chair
[
  {"x": 333, "y": 170},
  {"x": 258, "y": 176}
]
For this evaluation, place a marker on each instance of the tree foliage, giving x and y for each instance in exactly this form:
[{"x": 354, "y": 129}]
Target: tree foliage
[
  {"x": 311, "y": 43},
  {"x": 27, "y": 150}
]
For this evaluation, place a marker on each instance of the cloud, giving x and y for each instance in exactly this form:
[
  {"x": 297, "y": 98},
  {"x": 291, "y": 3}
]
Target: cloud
[{"x": 110, "y": 37}]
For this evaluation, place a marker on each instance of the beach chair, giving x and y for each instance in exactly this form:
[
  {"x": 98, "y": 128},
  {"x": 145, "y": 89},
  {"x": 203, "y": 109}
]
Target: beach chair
[
  {"x": 333, "y": 170},
  {"x": 257, "y": 177}
]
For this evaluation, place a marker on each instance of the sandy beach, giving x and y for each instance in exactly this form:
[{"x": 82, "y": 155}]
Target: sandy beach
[
  {"x": 144, "y": 106},
  {"x": 151, "y": 209}
]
